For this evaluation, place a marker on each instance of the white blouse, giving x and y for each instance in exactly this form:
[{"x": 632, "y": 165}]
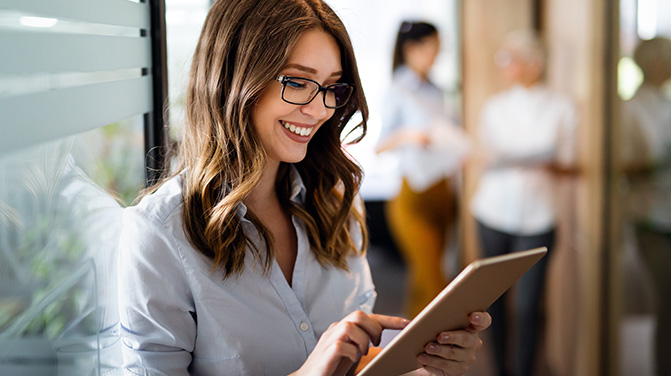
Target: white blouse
[
  {"x": 524, "y": 128},
  {"x": 179, "y": 318}
]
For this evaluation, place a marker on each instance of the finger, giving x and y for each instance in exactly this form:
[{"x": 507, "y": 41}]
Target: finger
[
  {"x": 352, "y": 333},
  {"x": 461, "y": 338},
  {"x": 434, "y": 365},
  {"x": 373, "y": 324},
  {"x": 480, "y": 321},
  {"x": 450, "y": 352},
  {"x": 367, "y": 323},
  {"x": 342, "y": 349},
  {"x": 390, "y": 322},
  {"x": 338, "y": 355}
]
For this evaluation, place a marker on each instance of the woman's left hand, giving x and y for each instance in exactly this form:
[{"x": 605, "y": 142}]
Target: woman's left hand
[{"x": 454, "y": 352}]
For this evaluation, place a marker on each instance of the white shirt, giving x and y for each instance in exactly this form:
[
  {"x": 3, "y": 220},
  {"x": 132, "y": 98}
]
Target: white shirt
[
  {"x": 179, "y": 318},
  {"x": 523, "y": 128},
  {"x": 416, "y": 104},
  {"x": 648, "y": 119}
]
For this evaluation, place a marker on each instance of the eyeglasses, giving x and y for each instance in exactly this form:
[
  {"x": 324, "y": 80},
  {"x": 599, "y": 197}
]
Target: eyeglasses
[{"x": 301, "y": 91}]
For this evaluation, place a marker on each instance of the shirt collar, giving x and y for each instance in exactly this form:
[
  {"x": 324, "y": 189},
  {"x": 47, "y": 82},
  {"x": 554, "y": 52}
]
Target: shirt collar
[
  {"x": 298, "y": 190},
  {"x": 409, "y": 77}
]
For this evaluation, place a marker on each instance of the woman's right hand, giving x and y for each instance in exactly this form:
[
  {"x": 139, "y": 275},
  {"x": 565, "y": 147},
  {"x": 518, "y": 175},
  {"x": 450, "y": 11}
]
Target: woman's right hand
[{"x": 343, "y": 343}]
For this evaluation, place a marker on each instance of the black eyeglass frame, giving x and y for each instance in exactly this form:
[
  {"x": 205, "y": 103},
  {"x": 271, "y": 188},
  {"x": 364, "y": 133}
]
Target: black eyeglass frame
[{"x": 285, "y": 79}]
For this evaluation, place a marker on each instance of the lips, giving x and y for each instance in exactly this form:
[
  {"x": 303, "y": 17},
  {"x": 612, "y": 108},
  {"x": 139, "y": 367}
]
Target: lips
[{"x": 300, "y": 131}]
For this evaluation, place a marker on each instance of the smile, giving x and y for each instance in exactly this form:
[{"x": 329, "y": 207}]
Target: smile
[{"x": 297, "y": 130}]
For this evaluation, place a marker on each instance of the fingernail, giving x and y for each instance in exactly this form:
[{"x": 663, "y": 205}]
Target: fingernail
[
  {"x": 432, "y": 348},
  {"x": 445, "y": 338},
  {"x": 423, "y": 358},
  {"x": 476, "y": 317}
]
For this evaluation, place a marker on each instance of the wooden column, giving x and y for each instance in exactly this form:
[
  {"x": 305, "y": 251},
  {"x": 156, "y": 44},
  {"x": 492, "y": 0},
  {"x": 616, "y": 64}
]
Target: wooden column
[{"x": 484, "y": 25}]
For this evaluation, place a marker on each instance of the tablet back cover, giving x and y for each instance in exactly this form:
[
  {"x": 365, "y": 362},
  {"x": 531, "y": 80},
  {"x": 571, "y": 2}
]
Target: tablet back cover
[{"x": 474, "y": 289}]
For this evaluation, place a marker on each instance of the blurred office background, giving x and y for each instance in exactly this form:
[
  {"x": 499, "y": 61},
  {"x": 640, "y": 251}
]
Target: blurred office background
[{"x": 86, "y": 87}]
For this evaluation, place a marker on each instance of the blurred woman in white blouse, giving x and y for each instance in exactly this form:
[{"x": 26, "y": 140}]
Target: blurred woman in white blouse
[{"x": 527, "y": 136}]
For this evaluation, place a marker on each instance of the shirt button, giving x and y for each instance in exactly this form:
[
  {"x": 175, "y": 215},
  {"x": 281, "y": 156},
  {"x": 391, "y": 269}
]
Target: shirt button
[{"x": 304, "y": 326}]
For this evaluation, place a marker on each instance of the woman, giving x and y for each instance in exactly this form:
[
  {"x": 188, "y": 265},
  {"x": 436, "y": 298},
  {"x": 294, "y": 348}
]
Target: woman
[
  {"x": 529, "y": 135},
  {"x": 249, "y": 260},
  {"x": 416, "y": 125}
]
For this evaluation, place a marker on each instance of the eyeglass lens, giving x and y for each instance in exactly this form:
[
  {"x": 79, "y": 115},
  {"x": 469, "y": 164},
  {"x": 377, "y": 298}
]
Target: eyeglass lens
[{"x": 303, "y": 91}]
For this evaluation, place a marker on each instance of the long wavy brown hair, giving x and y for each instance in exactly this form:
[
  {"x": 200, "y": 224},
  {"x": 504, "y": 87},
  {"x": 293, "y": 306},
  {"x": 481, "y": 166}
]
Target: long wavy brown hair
[{"x": 243, "y": 46}]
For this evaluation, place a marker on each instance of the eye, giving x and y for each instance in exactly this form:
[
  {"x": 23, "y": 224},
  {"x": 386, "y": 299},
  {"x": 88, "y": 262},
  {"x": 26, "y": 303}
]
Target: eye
[{"x": 296, "y": 84}]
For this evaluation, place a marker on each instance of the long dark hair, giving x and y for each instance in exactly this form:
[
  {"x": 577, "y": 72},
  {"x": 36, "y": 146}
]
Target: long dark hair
[{"x": 410, "y": 32}]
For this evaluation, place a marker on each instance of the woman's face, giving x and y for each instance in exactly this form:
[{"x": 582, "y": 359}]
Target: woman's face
[
  {"x": 516, "y": 69},
  {"x": 315, "y": 56},
  {"x": 420, "y": 55}
]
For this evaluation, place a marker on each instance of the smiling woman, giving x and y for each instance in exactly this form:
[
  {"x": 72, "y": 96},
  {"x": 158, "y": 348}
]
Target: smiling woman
[{"x": 249, "y": 259}]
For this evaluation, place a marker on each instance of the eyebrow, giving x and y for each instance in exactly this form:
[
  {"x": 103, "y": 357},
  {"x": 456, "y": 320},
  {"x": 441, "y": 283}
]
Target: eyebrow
[{"x": 309, "y": 70}]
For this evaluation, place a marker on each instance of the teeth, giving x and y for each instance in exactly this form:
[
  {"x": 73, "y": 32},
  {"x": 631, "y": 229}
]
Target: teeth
[{"x": 297, "y": 130}]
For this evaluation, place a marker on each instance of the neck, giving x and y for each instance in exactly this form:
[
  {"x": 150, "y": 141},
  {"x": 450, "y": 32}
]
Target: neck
[
  {"x": 423, "y": 75},
  {"x": 528, "y": 81},
  {"x": 264, "y": 192}
]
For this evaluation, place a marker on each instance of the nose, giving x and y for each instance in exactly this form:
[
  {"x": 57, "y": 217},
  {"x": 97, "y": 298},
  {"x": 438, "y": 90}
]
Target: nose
[{"x": 316, "y": 108}]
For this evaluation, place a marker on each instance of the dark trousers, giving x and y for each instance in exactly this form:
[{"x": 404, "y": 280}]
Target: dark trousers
[
  {"x": 655, "y": 247},
  {"x": 529, "y": 290}
]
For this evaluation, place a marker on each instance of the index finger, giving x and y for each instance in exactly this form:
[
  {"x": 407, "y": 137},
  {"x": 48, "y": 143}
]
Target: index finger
[
  {"x": 373, "y": 324},
  {"x": 390, "y": 322}
]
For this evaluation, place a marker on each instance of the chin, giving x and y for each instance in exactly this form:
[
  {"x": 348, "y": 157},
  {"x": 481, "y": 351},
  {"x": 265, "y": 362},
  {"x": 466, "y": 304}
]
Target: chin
[{"x": 293, "y": 157}]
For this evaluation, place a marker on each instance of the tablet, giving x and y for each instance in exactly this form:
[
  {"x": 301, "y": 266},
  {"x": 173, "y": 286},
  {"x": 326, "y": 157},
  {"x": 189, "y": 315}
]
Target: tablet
[{"x": 474, "y": 289}]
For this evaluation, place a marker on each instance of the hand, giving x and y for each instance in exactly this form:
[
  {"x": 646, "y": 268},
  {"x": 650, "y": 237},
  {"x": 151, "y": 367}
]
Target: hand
[
  {"x": 415, "y": 137},
  {"x": 481, "y": 158},
  {"x": 343, "y": 343},
  {"x": 454, "y": 352}
]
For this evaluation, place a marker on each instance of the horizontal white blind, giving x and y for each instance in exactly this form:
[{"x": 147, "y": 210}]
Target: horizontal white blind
[
  {"x": 54, "y": 114},
  {"x": 29, "y": 52},
  {"x": 109, "y": 12},
  {"x": 85, "y": 63}
]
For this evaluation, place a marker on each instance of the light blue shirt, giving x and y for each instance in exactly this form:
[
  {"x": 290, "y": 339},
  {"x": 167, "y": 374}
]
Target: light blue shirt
[
  {"x": 179, "y": 318},
  {"x": 412, "y": 103}
]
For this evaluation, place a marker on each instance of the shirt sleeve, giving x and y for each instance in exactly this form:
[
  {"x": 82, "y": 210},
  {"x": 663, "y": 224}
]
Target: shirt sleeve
[
  {"x": 390, "y": 114},
  {"x": 566, "y": 154},
  {"x": 483, "y": 134},
  {"x": 156, "y": 309}
]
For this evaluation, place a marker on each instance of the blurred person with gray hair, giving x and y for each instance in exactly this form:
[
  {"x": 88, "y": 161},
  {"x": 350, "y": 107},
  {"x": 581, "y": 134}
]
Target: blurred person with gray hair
[
  {"x": 646, "y": 160},
  {"x": 526, "y": 137}
]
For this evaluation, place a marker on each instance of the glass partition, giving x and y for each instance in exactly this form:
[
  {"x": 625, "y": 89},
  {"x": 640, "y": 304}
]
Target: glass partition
[
  {"x": 59, "y": 225},
  {"x": 642, "y": 188}
]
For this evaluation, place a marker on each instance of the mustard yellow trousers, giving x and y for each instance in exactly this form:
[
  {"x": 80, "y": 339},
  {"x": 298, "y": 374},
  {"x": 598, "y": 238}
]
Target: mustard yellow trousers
[{"x": 419, "y": 223}]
